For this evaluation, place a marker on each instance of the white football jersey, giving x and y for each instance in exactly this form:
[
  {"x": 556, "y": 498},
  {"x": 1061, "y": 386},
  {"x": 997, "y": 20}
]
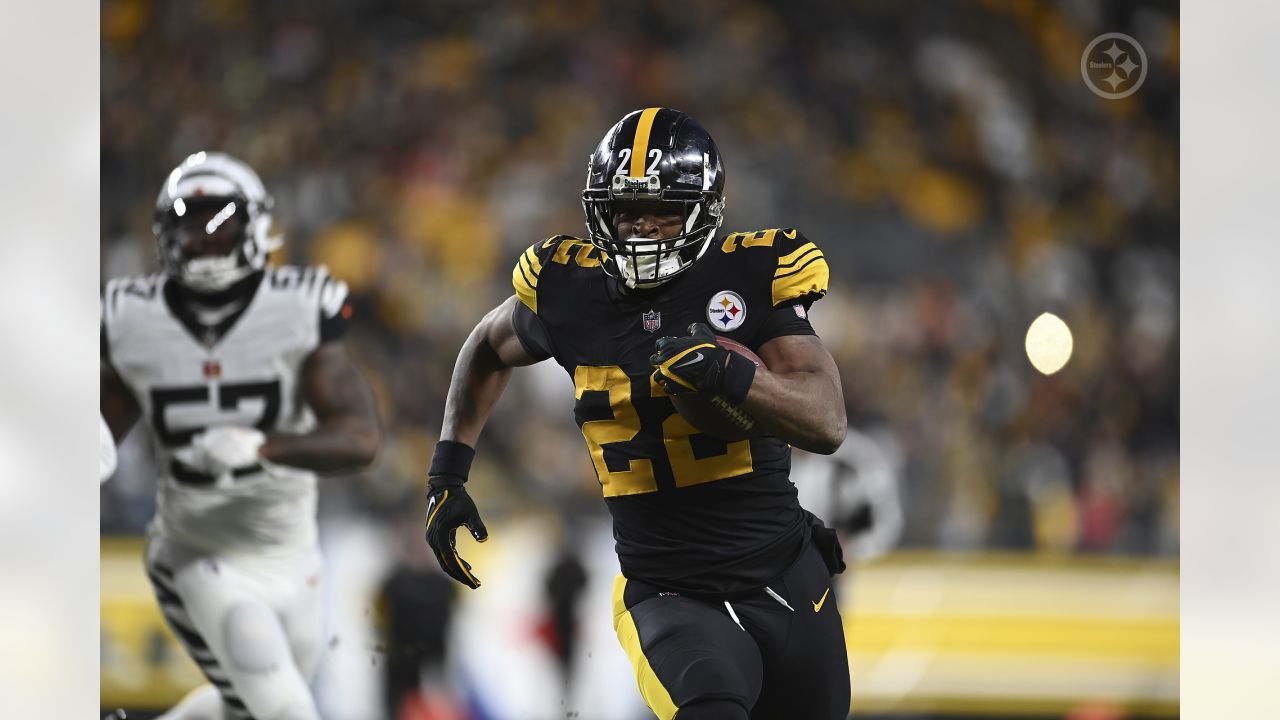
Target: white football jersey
[
  {"x": 186, "y": 380},
  {"x": 859, "y": 481}
]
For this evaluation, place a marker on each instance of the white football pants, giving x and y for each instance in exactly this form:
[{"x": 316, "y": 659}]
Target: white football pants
[{"x": 252, "y": 623}]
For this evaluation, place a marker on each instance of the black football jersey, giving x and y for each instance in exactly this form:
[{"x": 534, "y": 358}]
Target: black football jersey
[{"x": 691, "y": 512}]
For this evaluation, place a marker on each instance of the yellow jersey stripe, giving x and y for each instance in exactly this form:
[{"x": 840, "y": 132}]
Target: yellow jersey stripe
[
  {"x": 530, "y": 274},
  {"x": 640, "y": 147},
  {"x": 524, "y": 277},
  {"x": 524, "y": 290},
  {"x": 651, "y": 688},
  {"x": 811, "y": 279},
  {"x": 536, "y": 266},
  {"x": 798, "y": 263},
  {"x": 791, "y": 257}
]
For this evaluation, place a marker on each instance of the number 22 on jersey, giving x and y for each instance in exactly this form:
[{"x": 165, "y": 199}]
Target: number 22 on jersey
[{"x": 643, "y": 439}]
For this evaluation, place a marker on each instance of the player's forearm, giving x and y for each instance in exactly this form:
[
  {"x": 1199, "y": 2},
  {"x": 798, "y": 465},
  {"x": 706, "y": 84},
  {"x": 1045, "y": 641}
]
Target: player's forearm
[
  {"x": 479, "y": 377},
  {"x": 803, "y": 408},
  {"x": 337, "y": 445}
]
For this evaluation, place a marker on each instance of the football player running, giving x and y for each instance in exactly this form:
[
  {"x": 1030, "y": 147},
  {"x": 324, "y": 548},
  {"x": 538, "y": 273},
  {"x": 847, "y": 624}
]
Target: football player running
[
  {"x": 240, "y": 372},
  {"x": 722, "y": 600}
]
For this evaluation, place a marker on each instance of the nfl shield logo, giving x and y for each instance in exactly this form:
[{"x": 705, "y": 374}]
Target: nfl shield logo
[{"x": 652, "y": 320}]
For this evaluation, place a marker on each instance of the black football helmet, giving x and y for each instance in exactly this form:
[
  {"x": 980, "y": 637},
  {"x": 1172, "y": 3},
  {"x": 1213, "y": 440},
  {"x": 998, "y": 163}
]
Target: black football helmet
[{"x": 663, "y": 155}]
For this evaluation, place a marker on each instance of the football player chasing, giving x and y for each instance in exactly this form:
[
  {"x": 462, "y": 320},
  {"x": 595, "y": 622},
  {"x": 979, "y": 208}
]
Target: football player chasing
[
  {"x": 241, "y": 374},
  {"x": 721, "y": 605}
]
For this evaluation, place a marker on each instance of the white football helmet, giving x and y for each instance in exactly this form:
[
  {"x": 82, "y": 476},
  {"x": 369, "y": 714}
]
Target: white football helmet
[{"x": 213, "y": 222}]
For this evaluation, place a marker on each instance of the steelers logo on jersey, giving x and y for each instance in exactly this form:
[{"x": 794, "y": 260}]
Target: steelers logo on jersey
[{"x": 726, "y": 311}]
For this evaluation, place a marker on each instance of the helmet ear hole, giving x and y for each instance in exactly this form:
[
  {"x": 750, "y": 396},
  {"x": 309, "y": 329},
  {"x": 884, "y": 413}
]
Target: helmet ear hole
[{"x": 250, "y": 252}]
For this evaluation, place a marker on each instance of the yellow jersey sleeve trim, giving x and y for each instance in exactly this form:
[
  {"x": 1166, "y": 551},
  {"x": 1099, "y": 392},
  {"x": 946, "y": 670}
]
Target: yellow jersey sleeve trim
[
  {"x": 790, "y": 258},
  {"x": 800, "y": 273},
  {"x": 651, "y": 688},
  {"x": 534, "y": 263},
  {"x": 524, "y": 278}
]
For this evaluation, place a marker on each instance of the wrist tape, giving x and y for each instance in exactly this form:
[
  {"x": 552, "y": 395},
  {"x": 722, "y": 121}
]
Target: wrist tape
[
  {"x": 737, "y": 378},
  {"x": 452, "y": 458}
]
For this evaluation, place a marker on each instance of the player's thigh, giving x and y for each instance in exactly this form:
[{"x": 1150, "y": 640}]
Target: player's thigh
[
  {"x": 300, "y": 605},
  {"x": 260, "y": 664},
  {"x": 170, "y": 567},
  {"x": 807, "y": 674},
  {"x": 685, "y": 650},
  {"x": 231, "y": 631}
]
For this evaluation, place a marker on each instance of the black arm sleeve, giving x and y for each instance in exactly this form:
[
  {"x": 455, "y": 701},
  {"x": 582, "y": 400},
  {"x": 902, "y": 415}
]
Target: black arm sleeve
[
  {"x": 335, "y": 326},
  {"x": 785, "y": 320},
  {"x": 532, "y": 332}
]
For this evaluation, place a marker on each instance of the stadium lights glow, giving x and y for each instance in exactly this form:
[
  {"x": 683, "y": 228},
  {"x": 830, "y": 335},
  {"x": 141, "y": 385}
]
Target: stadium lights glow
[{"x": 1049, "y": 343}]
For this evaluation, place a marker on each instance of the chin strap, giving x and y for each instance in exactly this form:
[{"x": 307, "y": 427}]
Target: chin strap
[
  {"x": 667, "y": 261},
  {"x": 212, "y": 274}
]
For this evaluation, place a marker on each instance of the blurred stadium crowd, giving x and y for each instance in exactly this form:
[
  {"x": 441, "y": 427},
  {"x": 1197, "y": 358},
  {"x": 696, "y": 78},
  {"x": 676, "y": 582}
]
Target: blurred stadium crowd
[{"x": 957, "y": 172}]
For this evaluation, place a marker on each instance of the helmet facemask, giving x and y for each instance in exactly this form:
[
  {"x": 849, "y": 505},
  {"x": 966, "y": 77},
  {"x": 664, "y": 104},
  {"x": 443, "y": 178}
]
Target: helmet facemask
[
  {"x": 205, "y": 243},
  {"x": 649, "y": 262}
]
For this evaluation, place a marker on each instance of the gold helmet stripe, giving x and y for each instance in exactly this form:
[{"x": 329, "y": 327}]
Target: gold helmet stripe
[{"x": 640, "y": 148}]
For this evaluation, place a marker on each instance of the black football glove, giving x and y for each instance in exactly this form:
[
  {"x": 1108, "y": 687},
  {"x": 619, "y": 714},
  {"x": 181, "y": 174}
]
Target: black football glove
[
  {"x": 696, "y": 364},
  {"x": 448, "y": 507},
  {"x": 827, "y": 542}
]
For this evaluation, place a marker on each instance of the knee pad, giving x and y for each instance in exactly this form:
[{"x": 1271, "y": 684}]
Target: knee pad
[
  {"x": 261, "y": 664},
  {"x": 254, "y": 639},
  {"x": 712, "y": 710}
]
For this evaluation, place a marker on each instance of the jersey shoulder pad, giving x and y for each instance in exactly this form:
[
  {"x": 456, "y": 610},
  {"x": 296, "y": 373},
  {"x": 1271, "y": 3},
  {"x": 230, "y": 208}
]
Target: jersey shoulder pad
[
  {"x": 798, "y": 268},
  {"x": 125, "y": 297},
  {"x": 312, "y": 286},
  {"x": 556, "y": 254},
  {"x": 801, "y": 273}
]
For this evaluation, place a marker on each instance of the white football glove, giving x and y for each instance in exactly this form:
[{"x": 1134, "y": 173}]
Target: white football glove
[{"x": 219, "y": 450}]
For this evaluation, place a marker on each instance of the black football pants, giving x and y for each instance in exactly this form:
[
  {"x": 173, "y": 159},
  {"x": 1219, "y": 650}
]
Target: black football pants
[{"x": 757, "y": 657}]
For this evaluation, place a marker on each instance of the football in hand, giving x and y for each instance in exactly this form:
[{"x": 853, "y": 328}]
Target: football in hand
[{"x": 714, "y": 415}]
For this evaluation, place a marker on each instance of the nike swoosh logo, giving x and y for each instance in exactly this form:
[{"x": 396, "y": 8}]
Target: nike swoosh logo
[
  {"x": 431, "y": 513},
  {"x": 821, "y": 601},
  {"x": 697, "y": 357}
]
